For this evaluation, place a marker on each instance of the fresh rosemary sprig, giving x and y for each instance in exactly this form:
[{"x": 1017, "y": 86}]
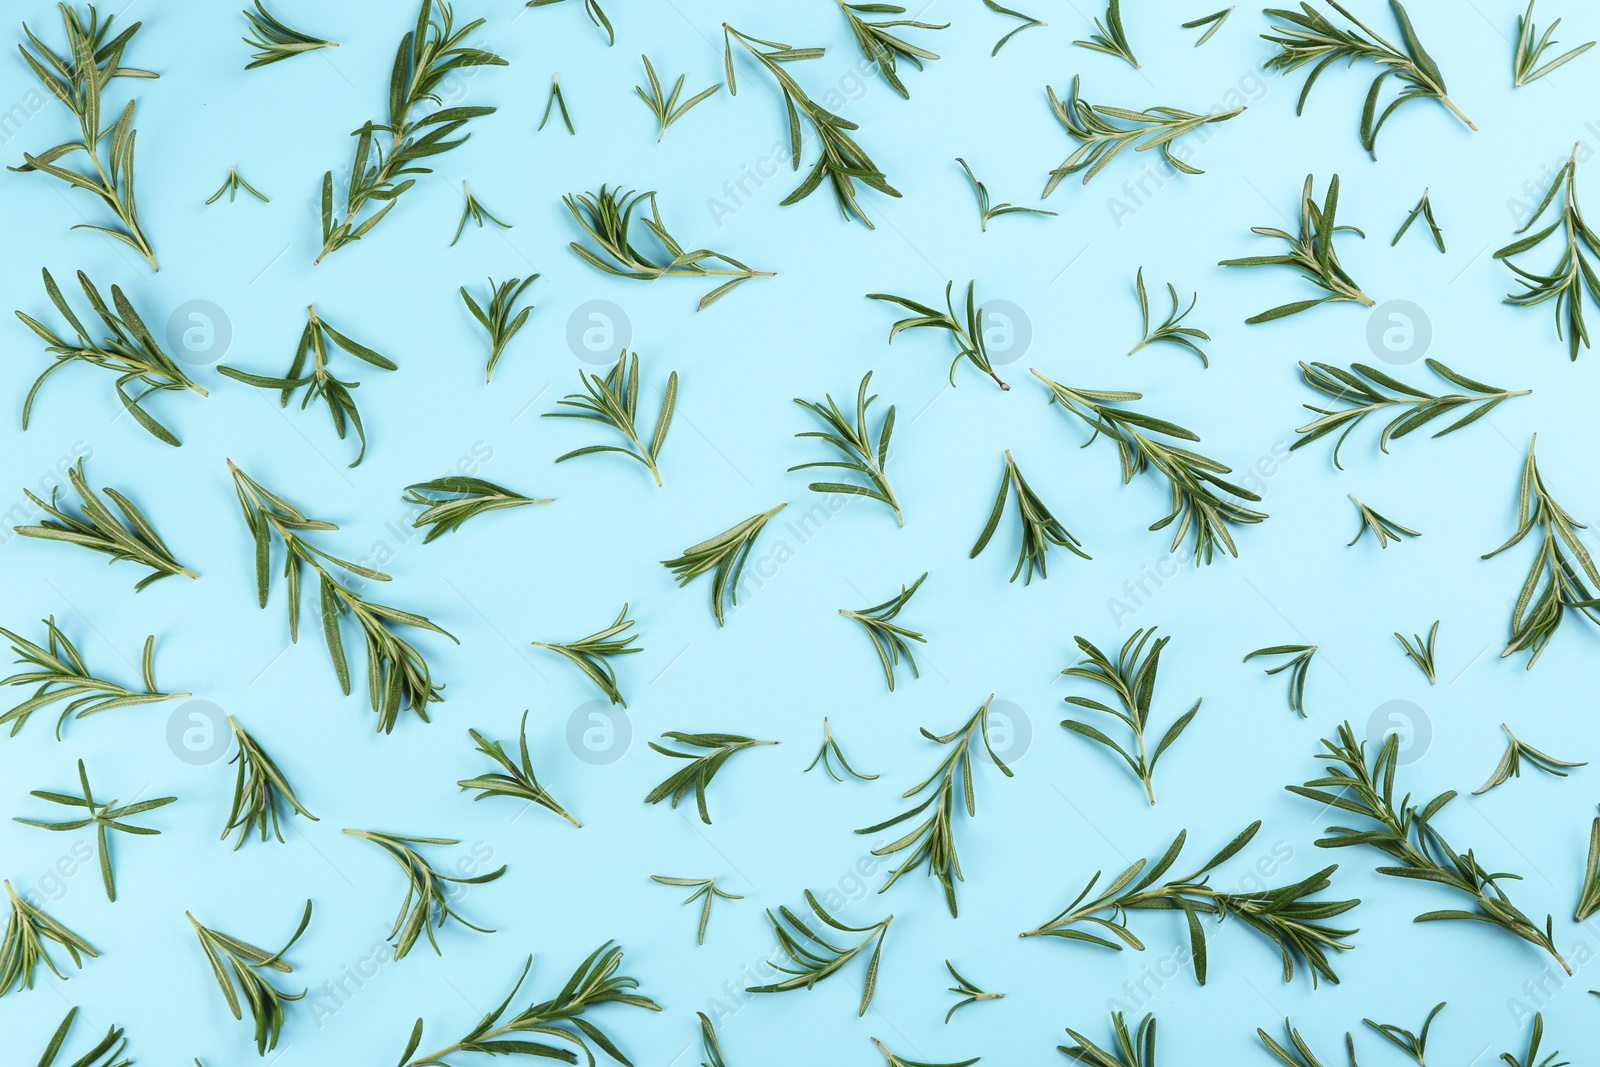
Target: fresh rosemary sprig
[
  {"x": 276, "y": 40},
  {"x": 1420, "y": 652},
  {"x": 260, "y": 790},
  {"x": 1133, "y": 1049},
  {"x": 1111, "y": 39},
  {"x": 473, "y": 211},
  {"x": 665, "y": 106},
  {"x": 725, "y": 555},
  {"x": 1588, "y": 897},
  {"x": 78, "y": 79},
  {"x": 831, "y": 751},
  {"x": 1425, "y": 209},
  {"x": 107, "y": 1053},
  {"x": 1028, "y": 23},
  {"x": 497, "y": 320},
  {"x": 1203, "y": 502},
  {"x": 129, "y": 538},
  {"x": 245, "y": 961},
  {"x": 104, "y": 816},
  {"x": 882, "y": 48},
  {"x": 1310, "y": 37},
  {"x": 1385, "y": 530},
  {"x": 607, "y": 217},
  {"x": 614, "y": 401},
  {"x": 427, "y": 901},
  {"x": 1525, "y": 59},
  {"x": 232, "y": 184},
  {"x": 1311, "y": 253},
  {"x": 841, "y": 160},
  {"x": 986, "y": 211},
  {"x": 1171, "y": 329},
  {"x": 61, "y": 674},
  {"x": 22, "y": 947},
  {"x": 1132, "y": 677},
  {"x": 816, "y": 959},
  {"x": 701, "y": 768},
  {"x": 1413, "y": 1045},
  {"x": 889, "y": 640},
  {"x": 1573, "y": 272},
  {"x": 591, "y": 654},
  {"x": 1531, "y": 1059},
  {"x": 891, "y": 1060},
  {"x": 709, "y": 1042},
  {"x": 449, "y": 502},
  {"x": 128, "y": 349},
  {"x": 317, "y": 341},
  {"x": 1040, "y": 529},
  {"x": 1302, "y": 1054},
  {"x": 967, "y": 990},
  {"x": 553, "y": 101},
  {"x": 595, "y": 983},
  {"x": 854, "y": 442},
  {"x": 428, "y": 55},
  {"x": 968, "y": 334},
  {"x": 1102, "y": 132},
  {"x": 1406, "y": 834},
  {"x": 518, "y": 782},
  {"x": 1297, "y": 666},
  {"x": 1213, "y": 21},
  {"x": 1510, "y": 765},
  {"x": 591, "y": 8},
  {"x": 704, "y": 889}
]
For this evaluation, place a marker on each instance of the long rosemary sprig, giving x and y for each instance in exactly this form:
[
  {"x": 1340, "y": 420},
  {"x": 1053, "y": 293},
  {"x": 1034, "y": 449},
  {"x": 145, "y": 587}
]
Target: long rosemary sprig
[
  {"x": 883, "y": 48},
  {"x": 715, "y": 751},
  {"x": 260, "y": 791},
  {"x": 705, "y": 889},
  {"x": 130, "y": 537},
  {"x": 853, "y": 440},
  {"x": 104, "y": 816},
  {"x": 592, "y": 654},
  {"x": 1573, "y": 273},
  {"x": 61, "y": 674},
  {"x": 815, "y": 959},
  {"x": 967, "y": 331},
  {"x": 1103, "y": 132},
  {"x": 665, "y": 106},
  {"x": 1040, "y": 529},
  {"x": 518, "y": 782},
  {"x": 1311, "y": 253},
  {"x": 889, "y": 639},
  {"x": 497, "y": 318},
  {"x": 23, "y": 948},
  {"x": 614, "y": 401},
  {"x": 724, "y": 555},
  {"x": 427, "y": 903},
  {"x": 235, "y": 961},
  {"x": 1525, "y": 65},
  {"x": 449, "y": 502}
]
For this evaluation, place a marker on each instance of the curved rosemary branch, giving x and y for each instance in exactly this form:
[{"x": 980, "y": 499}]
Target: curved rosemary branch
[
  {"x": 592, "y": 654},
  {"x": 717, "y": 750},
  {"x": 816, "y": 959},
  {"x": 245, "y": 961},
  {"x": 130, "y": 537},
  {"x": 614, "y": 401},
  {"x": 854, "y": 442},
  {"x": 427, "y": 902},
  {"x": 260, "y": 790},
  {"x": 1573, "y": 273},
  {"x": 889, "y": 640},
  {"x": 967, "y": 332},
  {"x": 1311, "y": 253},
  {"x": 1103, "y": 132},
  {"x": 61, "y": 674},
  {"x": 725, "y": 554},
  {"x": 22, "y": 947},
  {"x": 518, "y": 782}
]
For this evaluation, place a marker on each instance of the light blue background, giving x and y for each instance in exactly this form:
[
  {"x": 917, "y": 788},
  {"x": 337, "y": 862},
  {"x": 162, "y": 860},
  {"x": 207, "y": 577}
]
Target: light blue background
[{"x": 785, "y": 659}]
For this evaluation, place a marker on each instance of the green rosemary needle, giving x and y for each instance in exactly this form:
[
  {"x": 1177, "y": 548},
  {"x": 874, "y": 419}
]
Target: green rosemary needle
[
  {"x": 23, "y": 948},
  {"x": 854, "y": 443},
  {"x": 665, "y": 106},
  {"x": 1525, "y": 58},
  {"x": 61, "y": 674},
  {"x": 104, "y": 816},
  {"x": 882, "y": 48},
  {"x": 708, "y": 1041},
  {"x": 831, "y": 751},
  {"x": 1103, "y": 132},
  {"x": 1385, "y": 530},
  {"x": 967, "y": 332},
  {"x": 1588, "y": 897},
  {"x": 473, "y": 211},
  {"x": 591, "y": 8},
  {"x": 891, "y": 1060},
  {"x": 260, "y": 791},
  {"x": 1133, "y": 1049},
  {"x": 232, "y": 184},
  {"x": 1111, "y": 39},
  {"x": 497, "y": 319},
  {"x": 1420, "y": 652},
  {"x": 704, "y": 889},
  {"x": 1028, "y": 23},
  {"x": 1213, "y": 22},
  {"x": 1531, "y": 1058},
  {"x": 986, "y": 211},
  {"x": 1297, "y": 666},
  {"x": 1302, "y": 1054},
  {"x": 554, "y": 100},
  {"x": 107, "y": 1053},
  {"x": 1425, "y": 209},
  {"x": 966, "y": 989},
  {"x": 427, "y": 901},
  {"x": 592, "y": 654},
  {"x": 1573, "y": 272},
  {"x": 276, "y": 40},
  {"x": 1171, "y": 329},
  {"x": 1414, "y": 1045},
  {"x": 130, "y": 537},
  {"x": 1040, "y": 529},
  {"x": 614, "y": 401},
  {"x": 518, "y": 782},
  {"x": 725, "y": 555},
  {"x": 815, "y": 959},
  {"x": 1510, "y": 765},
  {"x": 889, "y": 639},
  {"x": 717, "y": 750},
  {"x": 449, "y": 502},
  {"x": 246, "y": 961},
  {"x": 1311, "y": 253}
]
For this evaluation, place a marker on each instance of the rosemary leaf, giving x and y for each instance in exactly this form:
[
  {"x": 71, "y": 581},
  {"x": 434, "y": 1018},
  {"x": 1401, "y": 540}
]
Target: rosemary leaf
[
  {"x": 427, "y": 901},
  {"x": 882, "y": 48},
  {"x": 701, "y": 768},
  {"x": 1213, "y": 22},
  {"x": 831, "y": 751},
  {"x": 1385, "y": 530},
  {"x": 1297, "y": 666},
  {"x": 854, "y": 443},
  {"x": 891, "y": 1060},
  {"x": 665, "y": 106},
  {"x": 449, "y": 502},
  {"x": 1573, "y": 273},
  {"x": 1028, "y": 23},
  {"x": 518, "y": 782},
  {"x": 815, "y": 959},
  {"x": 1525, "y": 58},
  {"x": 1133, "y": 1049},
  {"x": 1510, "y": 765},
  {"x": 591, "y": 8},
  {"x": 1111, "y": 39},
  {"x": 1103, "y": 132},
  {"x": 61, "y": 674},
  {"x": 23, "y": 947},
  {"x": 232, "y": 184},
  {"x": 260, "y": 791},
  {"x": 245, "y": 960},
  {"x": 1588, "y": 896},
  {"x": 1425, "y": 209},
  {"x": 108, "y": 1052},
  {"x": 614, "y": 401},
  {"x": 704, "y": 889},
  {"x": 592, "y": 654},
  {"x": 888, "y": 638},
  {"x": 473, "y": 211},
  {"x": 967, "y": 990},
  {"x": 104, "y": 816},
  {"x": 986, "y": 211},
  {"x": 1531, "y": 1057},
  {"x": 497, "y": 320},
  {"x": 130, "y": 537},
  {"x": 1040, "y": 529},
  {"x": 554, "y": 100},
  {"x": 1413, "y": 1045},
  {"x": 1311, "y": 254},
  {"x": 967, "y": 332},
  {"x": 708, "y": 1041},
  {"x": 276, "y": 40},
  {"x": 725, "y": 555},
  {"x": 1171, "y": 329},
  {"x": 1420, "y": 652}
]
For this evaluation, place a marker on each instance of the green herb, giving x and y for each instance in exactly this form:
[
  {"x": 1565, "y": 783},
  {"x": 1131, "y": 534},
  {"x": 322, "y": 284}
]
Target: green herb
[
  {"x": 591, "y": 8},
  {"x": 1421, "y": 652},
  {"x": 1588, "y": 898},
  {"x": 665, "y": 106},
  {"x": 831, "y": 751},
  {"x": 427, "y": 901},
  {"x": 1311, "y": 253},
  {"x": 883, "y": 49},
  {"x": 1302, "y": 1056},
  {"x": 1133, "y": 1049},
  {"x": 130, "y": 350},
  {"x": 614, "y": 401},
  {"x": 103, "y": 816},
  {"x": 498, "y": 321},
  {"x": 1171, "y": 329},
  {"x": 1510, "y": 765},
  {"x": 841, "y": 160},
  {"x": 1103, "y": 132},
  {"x": 968, "y": 335},
  {"x": 899, "y": 1061},
  {"x": 816, "y": 959},
  {"x": 129, "y": 538},
  {"x": 1425, "y": 209},
  {"x": 449, "y": 502},
  {"x": 260, "y": 790},
  {"x": 1385, "y": 530},
  {"x": 725, "y": 554},
  {"x": 704, "y": 888},
  {"x": 1285, "y": 916},
  {"x": 1297, "y": 667},
  {"x": 591, "y": 654},
  {"x": 1406, "y": 834},
  {"x": 245, "y": 961},
  {"x": 428, "y": 55},
  {"x": 473, "y": 211},
  {"x": 888, "y": 638},
  {"x": 697, "y": 775},
  {"x": 232, "y": 184},
  {"x": 593, "y": 984},
  {"x": 1414, "y": 1045},
  {"x": 554, "y": 100},
  {"x": 78, "y": 79},
  {"x": 23, "y": 947},
  {"x": 985, "y": 210},
  {"x": 708, "y": 1040},
  {"x": 967, "y": 990},
  {"x": 1133, "y": 680},
  {"x": 1310, "y": 38},
  {"x": 1028, "y": 23},
  {"x": 1111, "y": 39},
  {"x": 108, "y": 1053},
  {"x": 1040, "y": 529},
  {"x": 276, "y": 40},
  {"x": 1525, "y": 60},
  {"x": 518, "y": 782},
  {"x": 1573, "y": 273},
  {"x": 63, "y": 675},
  {"x": 854, "y": 442},
  {"x": 1214, "y": 20},
  {"x": 1203, "y": 503},
  {"x": 607, "y": 217},
  {"x": 316, "y": 341},
  {"x": 1532, "y": 1058}
]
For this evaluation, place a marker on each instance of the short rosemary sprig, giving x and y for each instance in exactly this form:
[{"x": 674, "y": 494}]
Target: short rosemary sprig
[
  {"x": 607, "y": 217},
  {"x": 1297, "y": 666},
  {"x": 317, "y": 341},
  {"x": 61, "y": 674},
  {"x": 128, "y": 349},
  {"x": 1111, "y": 39},
  {"x": 1132, "y": 677},
  {"x": 841, "y": 160},
  {"x": 1588, "y": 896},
  {"x": 592, "y": 654},
  {"x": 1040, "y": 529},
  {"x": 130, "y": 537},
  {"x": 427, "y": 901},
  {"x": 1103, "y": 132},
  {"x": 1406, "y": 834},
  {"x": 966, "y": 332},
  {"x": 854, "y": 442},
  {"x": 23, "y": 948},
  {"x": 614, "y": 401},
  {"x": 704, "y": 889},
  {"x": 967, "y": 990},
  {"x": 1414, "y": 1045},
  {"x": 891, "y": 1060},
  {"x": 1213, "y": 22},
  {"x": 1510, "y": 765},
  {"x": 561, "y": 1018},
  {"x": 986, "y": 211},
  {"x": 1310, "y": 37},
  {"x": 665, "y": 106},
  {"x": 232, "y": 184},
  {"x": 1203, "y": 502},
  {"x": 883, "y": 48},
  {"x": 449, "y": 502},
  {"x": 104, "y": 816},
  {"x": 260, "y": 791},
  {"x": 1385, "y": 530},
  {"x": 1311, "y": 253},
  {"x": 1531, "y": 1058},
  {"x": 1425, "y": 209},
  {"x": 717, "y": 750},
  {"x": 518, "y": 782},
  {"x": 78, "y": 78},
  {"x": 474, "y": 211},
  {"x": 1302, "y": 1054},
  {"x": 428, "y": 55},
  {"x": 709, "y": 1042},
  {"x": 556, "y": 100},
  {"x": 1171, "y": 329},
  {"x": 889, "y": 639},
  {"x": 831, "y": 751},
  {"x": 498, "y": 320},
  {"x": 1136, "y": 1048},
  {"x": 1525, "y": 66},
  {"x": 276, "y": 40},
  {"x": 245, "y": 961},
  {"x": 1028, "y": 23},
  {"x": 816, "y": 959},
  {"x": 592, "y": 8},
  {"x": 725, "y": 556},
  {"x": 108, "y": 1052},
  {"x": 1420, "y": 652},
  {"x": 1573, "y": 272}
]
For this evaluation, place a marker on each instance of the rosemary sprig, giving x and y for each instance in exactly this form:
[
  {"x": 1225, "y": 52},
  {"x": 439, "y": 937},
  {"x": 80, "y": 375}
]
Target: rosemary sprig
[
  {"x": 665, "y": 106},
  {"x": 1132, "y": 677},
  {"x": 449, "y": 502},
  {"x": 704, "y": 889},
  {"x": 1102, "y": 132},
  {"x": 22, "y": 948},
  {"x": 697, "y": 774},
  {"x": 1136, "y": 1048},
  {"x": 882, "y": 48},
  {"x": 232, "y": 184},
  {"x": 1385, "y": 530},
  {"x": 592, "y": 8},
  {"x": 1420, "y": 652},
  {"x": 1297, "y": 666},
  {"x": 1406, "y": 834},
  {"x": 1213, "y": 21},
  {"x": 245, "y": 961},
  {"x": 967, "y": 990},
  {"x": 1311, "y": 253},
  {"x": 107, "y": 1053},
  {"x": 1171, "y": 329},
  {"x": 594, "y": 983},
  {"x": 607, "y": 217},
  {"x": 61, "y": 674},
  {"x": 831, "y": 751},
  {"x": 1525, "y": 58},
  {"x": 104, "y": 816},
  {"x": 1413, "y": 1045},
  {"x": 1203, "y": 502},
  {"x": 1573, "y": 272},
  {"x": 129, "y": 538},
  {"x": 260, "y": 791},
  {"x": 427, "y": 901},
  {"x": 428, "y": 54},
  {"x": 1425, "y": 209},
  {"x": 518, "y": 782},
  {"x": 1302, "y": 1054},
  {"x": 128, "y": 349},
  {"x": 78, "y": 78},
  {"x": 1510, "y": 765},
  {"x": 614, "y": 401},
  {"x": 986, "y": 211},
  {"x": 1310, "y": 37},
  {"x": 316, "y": 342},
  {"x": 854, "y": 442},
  {"x": 709, "y": 1042},
  {"x": 1111, "y": 39},
  {"x": 966, "y": 332},
  {"x": 1028, "y": 23},
  {"x": 841, "y": 160},
  {"x": 276, "y": 40},
  {"x": 1588, "y": 896},
  {"x": 592, "y": 654},
  {"x": 816, "y": 959},
  {"x": 554, "y": 100},
  {"x": 473, "y": 211},
  {"x": 725, "y": 555},
  {"x": 497, "y": 320},
  {"x": 1531, "y": 1058},
  {"x": 891, "y": 1060},
  {"x": 1040, "y": 529},
  {"x": 889, "y": 639}
]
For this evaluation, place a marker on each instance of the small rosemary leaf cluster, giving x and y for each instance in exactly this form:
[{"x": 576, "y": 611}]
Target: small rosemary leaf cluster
[
  {"x": 614, "y": 401},
  {"x": 1103, "y": 132},
  {"x": 1424, "y": 209},
  {"x": 1297, "y": 665},
  {"x": 260, "y": 791},
  {"x": 22, "y": 946},
  {"x": 1573, "y": 273},
  {"x": 61, "y": 674},
  {"x": 1213, "y": 22},
  {"x": 130, "y": 537},
  {"x": 449, "y": 502},
  {"x": 1588, "y": 897},
  {"x": 665, "y": 106},
  {"x": 1133, "y": 1048},
  {"x": 1112, "y": 39},
  {"x": 967, "y": 990},
  {"x": 232, "y": 184},
  {"x": 1510, "y": 765},
  {"x": 108, "y": 1052},
  {"x": 889, "y": 640},
  {"x": 1385, "y": 530},
  {"x": 1414, "y": 1045},
  {"x": 831, "y": 751},
  {"x": 986, "y": 210},
  {"x": 1525, "y": 66},
  {"x": 592, "y": 654},
  {"x": 704, "y": 889},
  {"x": 1420, "y": 651},
  {"x": 1028, "y": 23},
  {"x": 473, "y": 211},
  {"x": 592, "y": 8},
  {"x": 853, "y": 440},
  {"x": 1171, "y": 328},
  {"x": 427, "y": 900},
  {"x": 967, "y": 332},
  {"x": 556, "y": 100},
  {"x": 276, "y": 40},
  {"x": 813, "y": 958},
  {"x": 882, "y": 48},
  {"x": 725, "y": 556},
  {"x": 1311, "y": 253},
  {"x": 245, "y": 961},
  {"x": 716, "y": 751},
  {"x": 1040, "y": 529},
  {"x": 892, "y": 1060},
  {"x": 518, "y": 782},
  {"x": 497, "y": 320},
  {"x": 105, "y": 816}
]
